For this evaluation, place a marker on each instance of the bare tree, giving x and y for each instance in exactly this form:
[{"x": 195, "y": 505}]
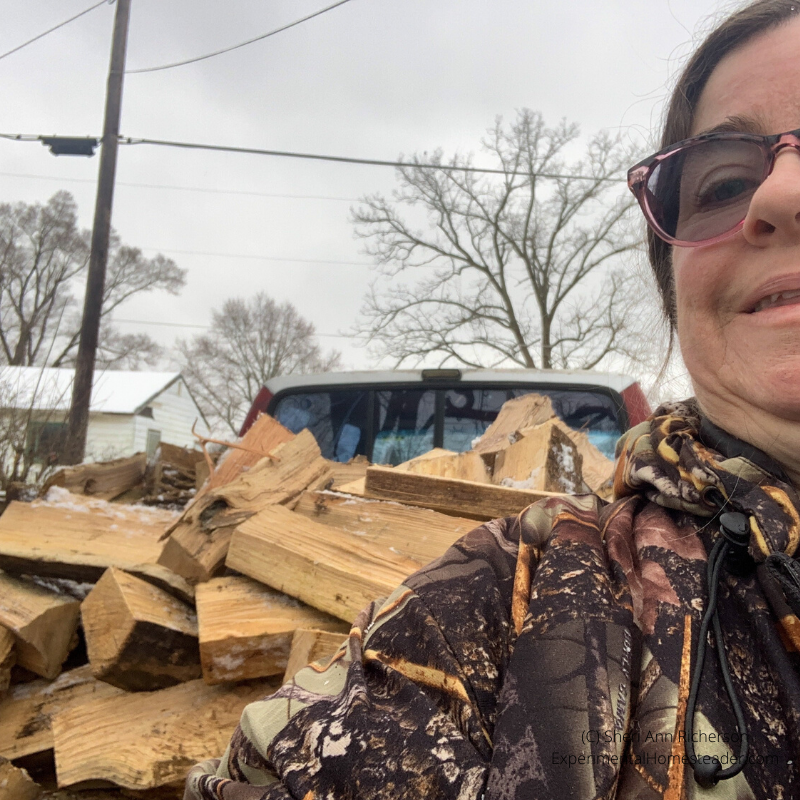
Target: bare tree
[
  {"x": 519, "y": 268},
  {"x": 250, "y": 342},
  {"x": 43, "y": 261}
]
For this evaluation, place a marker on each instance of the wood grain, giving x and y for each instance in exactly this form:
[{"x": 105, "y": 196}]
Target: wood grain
[
  {"x": 477, "y": 501},
  {"x": 322, "y": 566},
  {"x": 138, "y": 637},
  {"x": 197, "y": 546},
  {"x": 79, "y": 538},
  {"x": 419, "y": 533},
  {"x": 311, "y": 646},
  {"x": 149, "y": 739},
  {"x": 43, "y": 624},
  {"x": 246, "y": 628},
  {"x": 104, "y": 480},
  {"x": 28, "y": 707}
]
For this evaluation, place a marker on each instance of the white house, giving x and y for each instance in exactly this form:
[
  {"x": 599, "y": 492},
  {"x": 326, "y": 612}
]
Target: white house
[{"x": 129, "y": 412}]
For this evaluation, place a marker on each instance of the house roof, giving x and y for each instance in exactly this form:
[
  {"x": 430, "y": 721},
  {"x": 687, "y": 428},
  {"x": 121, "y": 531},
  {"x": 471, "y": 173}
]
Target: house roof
[{"x": 50, "y": 389}]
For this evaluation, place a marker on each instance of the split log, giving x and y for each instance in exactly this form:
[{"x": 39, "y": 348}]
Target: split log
[
  {"x": 299, "y": 465},
  {"x": 43, "y": 623},
  {"x": 419, "y": 533},
  {"x": 8, "y": 658},
  {"x": 324, "y": 567},
  {"x": 264, "y": 436},
  {"x": 150, "y": 739},
  {"x": 597, "y": 469},
  {"x": 28, "y": 707},
  {"x": 353, "y": 470},
  {"x": 103, "y": 480},
  {"x": 196, "y": 548},
  {"x": 16, "y": 784},
  {"x": 479, "y": 501},
  {"x": 182, "y": 457},
  {"x": 246, "y": 628},
  {"x": 72, "y": 537},
  {"x": 138, "y": 637},
  {"x": 523, "y": 412},
  {"x": 467, "y": 466},
  {"x": 310, "y": 646},
  {"x": 544, "y": 459}
]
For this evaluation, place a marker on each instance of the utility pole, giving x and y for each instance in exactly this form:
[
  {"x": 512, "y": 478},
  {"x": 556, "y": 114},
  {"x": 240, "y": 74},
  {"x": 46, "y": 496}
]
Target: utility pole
[{"x": 75, "y": 444}]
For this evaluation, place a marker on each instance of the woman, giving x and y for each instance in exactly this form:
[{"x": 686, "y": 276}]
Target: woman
[{"x": 566, "y": 653}]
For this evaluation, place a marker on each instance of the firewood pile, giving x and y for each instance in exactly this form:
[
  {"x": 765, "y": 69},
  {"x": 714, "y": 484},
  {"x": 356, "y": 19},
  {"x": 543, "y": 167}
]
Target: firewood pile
[
  {"x": 170, "y": 481},
  {"x": 132, "y": 636}
]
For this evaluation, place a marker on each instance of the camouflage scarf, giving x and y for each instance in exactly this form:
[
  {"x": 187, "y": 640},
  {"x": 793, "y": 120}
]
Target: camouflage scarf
[{"x": 665, "y": 460}]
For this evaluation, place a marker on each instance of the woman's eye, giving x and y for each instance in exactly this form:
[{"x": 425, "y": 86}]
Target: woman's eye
[{"x": 723, "y": 191}]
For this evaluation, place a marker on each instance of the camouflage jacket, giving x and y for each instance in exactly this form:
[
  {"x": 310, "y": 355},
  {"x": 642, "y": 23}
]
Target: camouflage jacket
[{"x": 550, "y": 655}]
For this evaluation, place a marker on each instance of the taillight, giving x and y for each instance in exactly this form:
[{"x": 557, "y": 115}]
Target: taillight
[
  {"x": 636, "y": 404},
  {"x": 259, "y": 407}
]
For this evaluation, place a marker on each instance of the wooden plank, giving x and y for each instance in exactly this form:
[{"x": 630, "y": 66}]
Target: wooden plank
[
  {"x": 419, "y": 533},
  {"x": 103, "y": 480},
  {"x": 148, "y": 739},
  {"x": 515, "y": 415},
  {"x": 73, "y": 537},
  {"x": 28, "y": 707},
  {"x": 8, "y": 657},
  {"x": 449, "y": 495},
  {"x": 544, "y": 459},
  {"x": 138, "y": 637},
  {"x": 246, "y": 628},
  {"x": 310, "y": 646},
  {"x": 327, "y": 568},
  {"x": 43, "y": 624},
  {"x": 197, "y": 546}
]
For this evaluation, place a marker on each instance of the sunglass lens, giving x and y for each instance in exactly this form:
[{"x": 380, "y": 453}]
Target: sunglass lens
[{"x": 704, "y": 190}]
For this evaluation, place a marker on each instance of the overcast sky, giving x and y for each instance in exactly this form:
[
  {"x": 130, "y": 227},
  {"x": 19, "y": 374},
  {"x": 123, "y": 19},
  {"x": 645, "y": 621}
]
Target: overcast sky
[{"x": 372, "y": 78}]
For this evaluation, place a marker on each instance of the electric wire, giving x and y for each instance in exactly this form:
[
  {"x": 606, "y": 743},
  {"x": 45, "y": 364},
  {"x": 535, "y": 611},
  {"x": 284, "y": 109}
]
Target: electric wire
[
  {"x": 55, "y": 28},
  {"x": 236, "y": 46},
  {"x": 367, "y": 161},
  {"x": 128, "y": 140},
  {"x": 208, "y": 327},
  {"x": 253, "y": 256},
  {"x": 201, "y": 189}
]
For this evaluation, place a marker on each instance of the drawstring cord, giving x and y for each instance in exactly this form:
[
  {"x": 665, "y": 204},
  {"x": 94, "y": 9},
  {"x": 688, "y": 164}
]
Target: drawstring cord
[{"x": 708, "y": 770}]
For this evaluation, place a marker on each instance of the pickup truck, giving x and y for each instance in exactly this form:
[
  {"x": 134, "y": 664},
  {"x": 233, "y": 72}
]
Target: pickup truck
[{"x": 392, "y": 416}]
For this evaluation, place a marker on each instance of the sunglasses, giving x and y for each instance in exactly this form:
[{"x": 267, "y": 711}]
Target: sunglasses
[{"x": 698, "y": 191}]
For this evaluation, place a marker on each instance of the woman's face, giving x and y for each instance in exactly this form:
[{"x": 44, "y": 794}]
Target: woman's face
[{"x": 738, "y": 301}]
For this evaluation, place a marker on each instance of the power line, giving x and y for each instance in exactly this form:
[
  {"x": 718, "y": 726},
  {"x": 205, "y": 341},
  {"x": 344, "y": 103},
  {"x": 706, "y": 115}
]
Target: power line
[
  {"x": 26, "y": 137},
  {"x": 237, "y": 46},
  {"x": 255, "y": 257},
  {"x": 183, "y": 188},
  {"x": 208, "y": 327},
  {"x": 60, "y": 25},
  {"x": 348, "y": 160}
]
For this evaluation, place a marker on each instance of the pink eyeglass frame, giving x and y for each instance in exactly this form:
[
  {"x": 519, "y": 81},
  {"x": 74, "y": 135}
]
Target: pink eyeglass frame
[{"x": 640, "y": 173}]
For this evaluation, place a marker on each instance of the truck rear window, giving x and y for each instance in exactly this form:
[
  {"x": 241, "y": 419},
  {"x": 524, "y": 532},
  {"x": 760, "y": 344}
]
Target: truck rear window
[{"x": 392, "y": 425}]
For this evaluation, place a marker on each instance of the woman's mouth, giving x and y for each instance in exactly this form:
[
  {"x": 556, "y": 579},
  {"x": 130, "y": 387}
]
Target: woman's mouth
[{"x": 778, "y": 299}]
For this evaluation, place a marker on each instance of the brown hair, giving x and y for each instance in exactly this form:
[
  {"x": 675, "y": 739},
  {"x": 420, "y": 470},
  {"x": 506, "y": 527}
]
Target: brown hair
[{"x": 738, "y": 29}]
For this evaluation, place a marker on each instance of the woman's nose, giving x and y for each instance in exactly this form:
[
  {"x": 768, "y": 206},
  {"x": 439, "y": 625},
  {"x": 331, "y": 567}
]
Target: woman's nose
[{"x": 774, "y": 213}]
